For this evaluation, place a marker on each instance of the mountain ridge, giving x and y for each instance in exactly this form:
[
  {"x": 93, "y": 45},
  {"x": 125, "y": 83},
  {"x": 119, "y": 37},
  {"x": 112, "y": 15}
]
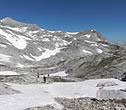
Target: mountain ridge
[{"x": 29, "y": 48}]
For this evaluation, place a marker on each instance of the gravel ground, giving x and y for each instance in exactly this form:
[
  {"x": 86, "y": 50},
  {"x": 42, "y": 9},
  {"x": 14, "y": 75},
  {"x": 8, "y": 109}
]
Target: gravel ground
[
  {"x": 86, "y": 104},
  {"x": 48, "y": 107}
]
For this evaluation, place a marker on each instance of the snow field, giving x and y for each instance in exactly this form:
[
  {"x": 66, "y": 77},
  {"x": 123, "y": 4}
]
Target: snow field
[{"x": 42, "y": 94}]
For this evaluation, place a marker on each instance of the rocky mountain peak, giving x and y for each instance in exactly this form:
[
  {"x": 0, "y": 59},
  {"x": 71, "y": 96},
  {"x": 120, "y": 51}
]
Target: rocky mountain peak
[
  {"x": 8, "y": 19},
  {"x": 14, "y": 23},
  {"x": 10, "y": 22}
]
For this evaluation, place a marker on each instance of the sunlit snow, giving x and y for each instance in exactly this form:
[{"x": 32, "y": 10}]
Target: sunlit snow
[
  {"x": 46, "y": 54},
  {"x": 8, "y": 73},
  {"x": 43, "y": 94},
  {"x": 87, "y": 35},
  {"x": 18, "y": 41},
  {"x": 3, "y": 45},
  {"x": 87, "y": 52},
  {"x": 99, "y": 50},
  {"x": 28, "y": 58},
  {"x": 5, "y": 58},
  {"x": 72, "y": 33}
]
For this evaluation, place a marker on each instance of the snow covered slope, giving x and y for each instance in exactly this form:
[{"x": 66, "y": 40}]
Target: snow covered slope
[{"x": 27, "y": 39}]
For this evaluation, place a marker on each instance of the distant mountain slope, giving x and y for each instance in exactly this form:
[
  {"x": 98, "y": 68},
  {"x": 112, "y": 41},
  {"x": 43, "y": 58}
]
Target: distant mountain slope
[{"x": 29, "y": 48}]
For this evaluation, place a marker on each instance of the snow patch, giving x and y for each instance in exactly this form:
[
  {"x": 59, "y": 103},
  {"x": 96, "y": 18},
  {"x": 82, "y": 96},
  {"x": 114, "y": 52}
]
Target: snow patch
[
  {"x": 91, "y": 42},
  {"x": 20, "y": 65},
  {"x": 61, "y": 74},
  {"x": 87, "y": 35},
  {"x": 74, "y": 38},
  {"x": 5, "y": 58},
  {"x": 94, "y": 44},
  {"x": 87, "y": 52},
  {"x": 48, "y": 53},
  {"x": 105, "y": 45},
  {"x": 3, "y": 45},
  {"x": 46, "y": 39},
  {"x": 40, "y": 49},
  {"x": 42, "y": 29},
  {"x": 52, "y": 31},
  {"x": 12, "y": 28},
  {"x": 18, "y": 29},
  {"x": 32, "y": 33},
  {"x": 8, "y": 73},
  {"x": 46, "y": 35},
  {"x": 27, "y": 57},
  {"x": 72, "y": 33},
  {"x": 99, "y": 50}
]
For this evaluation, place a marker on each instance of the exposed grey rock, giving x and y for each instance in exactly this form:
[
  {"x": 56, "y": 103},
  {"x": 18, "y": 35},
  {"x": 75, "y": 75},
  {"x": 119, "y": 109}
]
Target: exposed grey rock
[
  {"x": 86, "y": 104},
  {"x": 123, "y": 78},
  {"x": 48, "y": 107}
]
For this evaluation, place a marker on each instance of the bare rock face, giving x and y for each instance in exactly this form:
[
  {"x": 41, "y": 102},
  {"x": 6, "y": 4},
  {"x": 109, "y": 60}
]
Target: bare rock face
[{"x": 107, "y": 65}]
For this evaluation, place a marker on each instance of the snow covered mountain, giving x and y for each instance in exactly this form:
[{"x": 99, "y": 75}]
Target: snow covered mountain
[
  {"x": 29, "y": 48},
  {"x": 28, "y": 52}
]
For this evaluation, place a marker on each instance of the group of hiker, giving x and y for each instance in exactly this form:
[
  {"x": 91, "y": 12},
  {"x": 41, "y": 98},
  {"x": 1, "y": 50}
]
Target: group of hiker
[{"x": 44, "y": 77}]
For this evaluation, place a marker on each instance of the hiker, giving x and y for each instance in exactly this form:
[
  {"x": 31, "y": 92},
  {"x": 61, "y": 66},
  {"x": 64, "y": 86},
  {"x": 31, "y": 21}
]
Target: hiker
[
  {"x": 123, "y": 77},
  {"x": 48, "y": 75},
  {"x": 44, "y": 78},
  {"x": 37, "y": 74}
]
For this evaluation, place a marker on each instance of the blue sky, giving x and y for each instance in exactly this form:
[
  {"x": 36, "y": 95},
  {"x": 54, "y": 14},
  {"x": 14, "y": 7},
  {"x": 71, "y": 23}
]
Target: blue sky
[{"x": 106, "y": 16}]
